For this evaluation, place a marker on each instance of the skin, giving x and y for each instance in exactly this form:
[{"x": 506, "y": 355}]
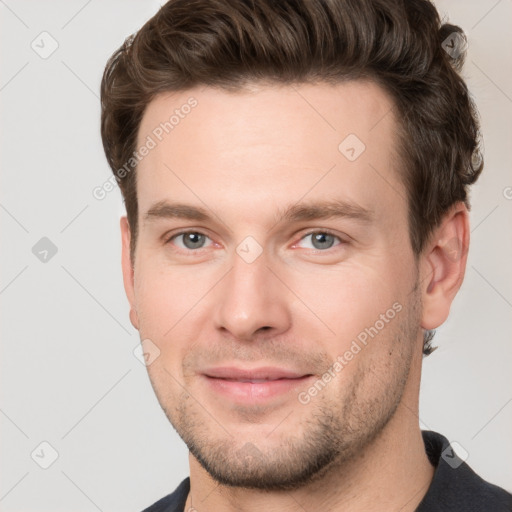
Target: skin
[{"x": 245, "y": 157}]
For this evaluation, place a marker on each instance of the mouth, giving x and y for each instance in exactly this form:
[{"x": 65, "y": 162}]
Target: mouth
[{"x": 254, "y": 385}]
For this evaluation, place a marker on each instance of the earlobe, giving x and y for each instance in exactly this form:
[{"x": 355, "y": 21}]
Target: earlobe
[
  {"x": 443, "y": 266},
  {"x": 128, "y": 270}
]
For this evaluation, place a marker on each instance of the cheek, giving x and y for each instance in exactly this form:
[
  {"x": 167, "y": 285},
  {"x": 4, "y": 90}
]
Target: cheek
[
  {"x": 153, "y": 297},
  {"x": 160, "y": 301},
  {"x": 163, "y": 292},
  {"x": 348, "y": 299},
  {"x": 169, "y": 302}
]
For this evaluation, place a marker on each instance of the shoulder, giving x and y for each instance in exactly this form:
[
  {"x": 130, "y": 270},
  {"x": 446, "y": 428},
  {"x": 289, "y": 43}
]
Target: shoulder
[
  {"x": 174, "y": 502},
  {"x": 455, "y": 486}
]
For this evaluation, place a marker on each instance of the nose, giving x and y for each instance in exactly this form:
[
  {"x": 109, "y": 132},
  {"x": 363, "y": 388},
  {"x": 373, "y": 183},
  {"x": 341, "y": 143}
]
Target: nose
[{"x": 252, "y": 300}]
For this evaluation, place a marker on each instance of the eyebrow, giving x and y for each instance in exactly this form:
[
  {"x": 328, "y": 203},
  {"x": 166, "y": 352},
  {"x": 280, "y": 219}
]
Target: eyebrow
[{"x": 295, "y": 213}]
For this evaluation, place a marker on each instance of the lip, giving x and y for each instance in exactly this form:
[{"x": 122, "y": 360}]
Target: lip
[
  {"x": 253, "y": 385},
  {"x": 261, "y": 373}
]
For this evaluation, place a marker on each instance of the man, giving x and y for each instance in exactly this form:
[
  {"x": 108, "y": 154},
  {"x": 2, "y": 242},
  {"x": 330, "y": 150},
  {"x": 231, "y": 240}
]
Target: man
[{"x": 295, "y": 176}]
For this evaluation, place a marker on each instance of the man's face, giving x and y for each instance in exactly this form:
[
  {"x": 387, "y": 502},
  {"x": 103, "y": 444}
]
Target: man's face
[{"x": 252, "y": 307}]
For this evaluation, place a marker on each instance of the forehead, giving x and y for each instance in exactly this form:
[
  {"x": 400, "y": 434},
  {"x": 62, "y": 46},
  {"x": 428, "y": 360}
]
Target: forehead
[
  {"x": 270, "y": 145},
  {"x": 358, "y": 107}
]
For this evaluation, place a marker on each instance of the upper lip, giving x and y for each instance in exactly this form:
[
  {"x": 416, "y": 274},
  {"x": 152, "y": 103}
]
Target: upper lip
[{"x": 262, "y": 373}]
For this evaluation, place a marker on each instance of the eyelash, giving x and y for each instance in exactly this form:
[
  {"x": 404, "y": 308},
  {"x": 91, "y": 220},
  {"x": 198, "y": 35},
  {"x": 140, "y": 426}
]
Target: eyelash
[{"x": 195, "y": 251}]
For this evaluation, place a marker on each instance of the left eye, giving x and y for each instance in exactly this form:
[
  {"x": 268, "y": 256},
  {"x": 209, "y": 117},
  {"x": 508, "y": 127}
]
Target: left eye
[{"x": 322, "y": 239}]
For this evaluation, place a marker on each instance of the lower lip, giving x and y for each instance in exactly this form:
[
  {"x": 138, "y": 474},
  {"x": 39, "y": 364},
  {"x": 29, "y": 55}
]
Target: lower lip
[{"x": 255, "y": 391}]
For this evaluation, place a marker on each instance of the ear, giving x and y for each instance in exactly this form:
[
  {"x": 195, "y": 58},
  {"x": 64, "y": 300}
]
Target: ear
[
  {"x": 443, "y": 265},
  {"x": 128, "y": 271}
]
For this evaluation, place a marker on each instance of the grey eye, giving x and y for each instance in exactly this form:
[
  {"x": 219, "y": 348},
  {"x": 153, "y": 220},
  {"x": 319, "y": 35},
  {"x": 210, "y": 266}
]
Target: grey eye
[
  {"x": 322, "y": 240},
  {"x": 192, "y": 240}
]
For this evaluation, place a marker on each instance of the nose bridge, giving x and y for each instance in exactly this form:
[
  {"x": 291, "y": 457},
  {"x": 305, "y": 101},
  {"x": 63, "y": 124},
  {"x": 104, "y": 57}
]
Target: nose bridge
[{"x": 251, "y": 297}]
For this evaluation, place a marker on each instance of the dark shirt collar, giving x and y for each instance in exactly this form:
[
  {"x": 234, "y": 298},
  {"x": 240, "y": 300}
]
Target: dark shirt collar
[{"x": 455, "y": 486}]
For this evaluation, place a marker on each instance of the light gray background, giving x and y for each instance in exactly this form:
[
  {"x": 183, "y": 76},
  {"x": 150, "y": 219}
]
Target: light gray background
[{"x": 68, "y": 373}]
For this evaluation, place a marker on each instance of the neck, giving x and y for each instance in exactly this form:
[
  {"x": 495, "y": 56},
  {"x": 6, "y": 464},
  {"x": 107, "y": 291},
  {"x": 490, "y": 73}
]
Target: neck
[{"x": 392, "y": 473}]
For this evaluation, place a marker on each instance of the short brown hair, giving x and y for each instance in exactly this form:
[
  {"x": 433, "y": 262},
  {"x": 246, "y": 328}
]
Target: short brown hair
[{"x": 402, "y": 45}]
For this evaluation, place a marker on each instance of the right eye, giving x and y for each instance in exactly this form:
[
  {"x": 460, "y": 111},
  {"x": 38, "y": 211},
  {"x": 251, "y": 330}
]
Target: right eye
[{"x": 191, "y": 240}]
